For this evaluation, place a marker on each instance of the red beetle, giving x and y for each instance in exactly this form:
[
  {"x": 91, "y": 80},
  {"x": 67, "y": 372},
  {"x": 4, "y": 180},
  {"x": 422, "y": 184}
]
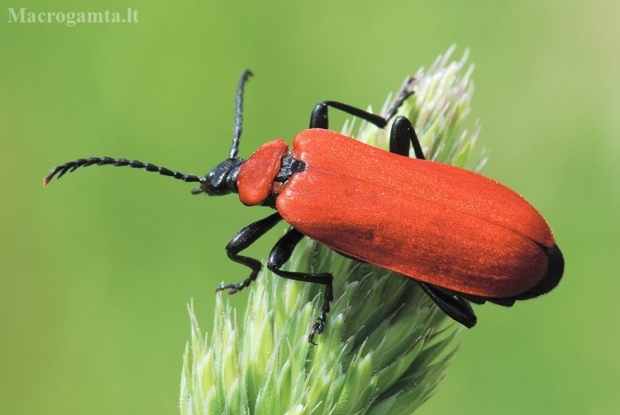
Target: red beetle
[{"x": 461, "y": 236}]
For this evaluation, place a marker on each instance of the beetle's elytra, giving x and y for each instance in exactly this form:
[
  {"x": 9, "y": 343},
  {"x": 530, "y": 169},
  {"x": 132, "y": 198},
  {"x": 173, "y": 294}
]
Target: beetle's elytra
[{"x": 461, "y": 236}]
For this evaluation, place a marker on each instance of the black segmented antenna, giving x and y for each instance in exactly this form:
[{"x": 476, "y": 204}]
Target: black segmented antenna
[
  {"x": 212, "y": 188},
  {"x": 71, "y": 166},
  {"x": 239, "y": 113}
]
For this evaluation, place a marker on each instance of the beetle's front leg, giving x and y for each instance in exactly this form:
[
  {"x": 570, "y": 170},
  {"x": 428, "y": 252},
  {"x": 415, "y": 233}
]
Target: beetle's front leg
[
  {"x": 320, "y": 119},
  {"x": 243, "y": 239}
]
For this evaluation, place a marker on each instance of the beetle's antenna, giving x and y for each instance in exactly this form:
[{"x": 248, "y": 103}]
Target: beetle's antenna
[
  {"x": 71, "y": 166},
  {"x": 239, "y": 113}
]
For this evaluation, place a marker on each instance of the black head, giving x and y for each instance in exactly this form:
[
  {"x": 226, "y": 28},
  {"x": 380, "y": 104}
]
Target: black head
[{"x": 222, "y": 180}]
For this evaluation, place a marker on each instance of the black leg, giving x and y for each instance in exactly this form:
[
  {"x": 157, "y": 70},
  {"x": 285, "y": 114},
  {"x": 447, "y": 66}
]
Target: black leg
[
  {"x": 454, "y": 305},
  {"x": 244, "y": 238},
  {"x": 319, "y": 118},
  {"x": 402, "y": 132},
  {"x": 281, "y": 253},
  {"x": 506, "y": 302},
  {"x": 405, "y": 92},
  {"x": 401, "y": 135}
]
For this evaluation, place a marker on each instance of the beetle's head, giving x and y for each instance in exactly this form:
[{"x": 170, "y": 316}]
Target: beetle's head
[{"x": 222, "y": 180}]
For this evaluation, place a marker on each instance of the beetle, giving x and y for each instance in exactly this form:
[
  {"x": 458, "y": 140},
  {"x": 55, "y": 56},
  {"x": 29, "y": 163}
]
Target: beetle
[{"x": 463, "y": 237}]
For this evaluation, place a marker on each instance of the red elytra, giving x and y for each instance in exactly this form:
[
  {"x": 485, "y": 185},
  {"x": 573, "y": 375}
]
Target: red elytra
[
  {"x": 429, "y": 221},
  {"x": 461, "y": 236}
]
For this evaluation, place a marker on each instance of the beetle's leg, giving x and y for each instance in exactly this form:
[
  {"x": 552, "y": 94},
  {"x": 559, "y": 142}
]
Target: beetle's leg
[
  {"x": 281, "y": 253},
  {"x": 401, "y": 135},
  {"x": 506, "y": 302},
  {"x": 454, "y": 305},
  {"x": 405, "y": 92},
  {"x": 319, "y": 118},
  {"x": 402, "y": 132},
  {"x": 244, "y": 238}
]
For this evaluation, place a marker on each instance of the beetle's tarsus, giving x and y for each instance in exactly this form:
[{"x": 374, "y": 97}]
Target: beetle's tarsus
[
  {"x": 234, "y": 288},
  {"x": 318, "y": 328}
]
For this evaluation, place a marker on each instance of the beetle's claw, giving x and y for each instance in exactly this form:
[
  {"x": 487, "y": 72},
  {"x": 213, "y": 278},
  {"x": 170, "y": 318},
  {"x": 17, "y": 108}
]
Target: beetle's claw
[
  {"x": 318, "y": 328},
  {"x": 232, "y": 288}
]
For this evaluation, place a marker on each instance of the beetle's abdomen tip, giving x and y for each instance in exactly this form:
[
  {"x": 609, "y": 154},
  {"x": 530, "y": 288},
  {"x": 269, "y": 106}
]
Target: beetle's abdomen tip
[{"x": 555, "y": 270}]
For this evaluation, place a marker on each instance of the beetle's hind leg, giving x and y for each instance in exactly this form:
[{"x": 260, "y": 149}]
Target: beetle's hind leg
[
  {"x": 453, "y": 304},
  {"x": 281, "y": 253},
  {"x": 243, "y": 239}
]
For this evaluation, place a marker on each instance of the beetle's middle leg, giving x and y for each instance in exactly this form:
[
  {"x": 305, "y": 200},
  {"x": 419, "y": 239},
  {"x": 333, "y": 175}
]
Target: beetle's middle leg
[
  {"x": 401, "y": 135},
  {"x": 281, "y": 253}
]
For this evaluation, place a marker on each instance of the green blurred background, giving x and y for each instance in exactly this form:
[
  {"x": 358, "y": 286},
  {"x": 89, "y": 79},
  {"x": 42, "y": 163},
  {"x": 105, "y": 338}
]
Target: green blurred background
[{"x": 96, "y": 270}]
